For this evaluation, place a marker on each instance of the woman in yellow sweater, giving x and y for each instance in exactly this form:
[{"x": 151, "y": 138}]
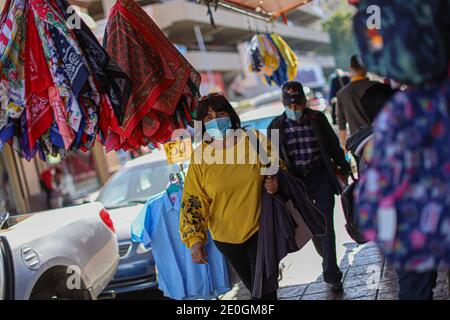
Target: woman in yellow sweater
[{"x": 222, "y": 190}]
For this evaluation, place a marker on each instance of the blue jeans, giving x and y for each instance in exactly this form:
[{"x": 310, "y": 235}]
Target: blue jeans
[
  {"x": 319, "y": 188},
  {"x": 415, "y": 285}
]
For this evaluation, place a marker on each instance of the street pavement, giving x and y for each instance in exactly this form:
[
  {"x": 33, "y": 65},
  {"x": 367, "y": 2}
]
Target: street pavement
[{"x": 367, "y": 275}]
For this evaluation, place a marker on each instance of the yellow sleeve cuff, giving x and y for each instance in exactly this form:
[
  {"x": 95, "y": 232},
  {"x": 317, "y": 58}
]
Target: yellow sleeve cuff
[{"x": 193, "y": 240}]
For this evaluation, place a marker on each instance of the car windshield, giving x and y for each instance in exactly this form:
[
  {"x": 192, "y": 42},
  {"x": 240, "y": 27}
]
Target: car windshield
[
  {"x": 135, "y": 185},
  {"x": 259, "y": 124}
]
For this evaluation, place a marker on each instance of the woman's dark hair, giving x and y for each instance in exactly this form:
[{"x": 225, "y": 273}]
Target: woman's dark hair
[{"x": 218, "y": 103}]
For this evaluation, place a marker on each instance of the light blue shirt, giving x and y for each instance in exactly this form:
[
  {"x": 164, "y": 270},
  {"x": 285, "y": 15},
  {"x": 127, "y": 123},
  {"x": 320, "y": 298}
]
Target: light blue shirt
[{"x": 178, "y": 277}]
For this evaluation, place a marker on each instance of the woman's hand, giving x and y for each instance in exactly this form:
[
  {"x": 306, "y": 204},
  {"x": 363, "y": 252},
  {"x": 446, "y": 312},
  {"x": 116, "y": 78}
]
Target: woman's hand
[
  {"x": 198, "y": 253},
  {"x": 271, "y": 184}
]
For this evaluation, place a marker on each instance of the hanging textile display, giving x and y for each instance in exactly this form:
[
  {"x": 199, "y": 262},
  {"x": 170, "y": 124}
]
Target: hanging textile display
[
  {"x": 165, "y": 85},
  {"x": 271, "y": 57},
  {"x": 178, "y": 277},
  {"x": 59, "y": 89}
]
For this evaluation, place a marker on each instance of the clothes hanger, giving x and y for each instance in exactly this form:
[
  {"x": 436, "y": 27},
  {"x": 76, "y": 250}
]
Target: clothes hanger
[
  {"x": 175, "y": 183},
  {"x": 250, "y": 31}
]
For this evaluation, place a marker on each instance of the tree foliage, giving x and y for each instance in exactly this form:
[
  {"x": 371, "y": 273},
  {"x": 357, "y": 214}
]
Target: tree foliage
[{"x": 339, "y": 27}]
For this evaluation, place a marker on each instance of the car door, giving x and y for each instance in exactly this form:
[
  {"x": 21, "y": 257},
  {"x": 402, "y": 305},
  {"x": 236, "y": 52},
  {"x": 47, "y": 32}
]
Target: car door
[{"x": 6, "y": 271}]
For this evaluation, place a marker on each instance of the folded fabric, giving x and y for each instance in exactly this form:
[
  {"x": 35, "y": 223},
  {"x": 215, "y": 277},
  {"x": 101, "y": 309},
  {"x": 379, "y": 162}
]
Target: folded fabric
[{"x": 277, "y": 232}]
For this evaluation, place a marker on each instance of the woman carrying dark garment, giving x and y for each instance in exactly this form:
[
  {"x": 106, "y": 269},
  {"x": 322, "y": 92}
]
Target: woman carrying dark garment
[{"x": 224, "y": 195}]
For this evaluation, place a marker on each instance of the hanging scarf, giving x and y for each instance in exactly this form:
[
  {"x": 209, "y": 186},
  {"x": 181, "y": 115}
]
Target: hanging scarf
[
  {"x": 159, "y": 72},
  {"x": 280, "y": 76},
  {"x": 287, "y": 54},
  {"x": 59, "y": 94},
  {"x": 129, "y": 43},
  {"x": 37, "y": 82},
  {"x": 108, "y": 74},
  {"x": 6, "y": 26},
  {"x": 11, "y": 62},
  {"x": 74, "y": 63}
]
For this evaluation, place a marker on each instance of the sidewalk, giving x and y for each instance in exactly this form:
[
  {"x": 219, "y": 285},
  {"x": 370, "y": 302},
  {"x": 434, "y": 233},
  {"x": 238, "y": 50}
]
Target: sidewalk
[{"x": 367, "y": 276}]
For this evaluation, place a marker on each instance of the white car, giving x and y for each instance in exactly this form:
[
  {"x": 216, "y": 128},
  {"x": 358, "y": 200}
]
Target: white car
[{"x": 68, "y": 253}]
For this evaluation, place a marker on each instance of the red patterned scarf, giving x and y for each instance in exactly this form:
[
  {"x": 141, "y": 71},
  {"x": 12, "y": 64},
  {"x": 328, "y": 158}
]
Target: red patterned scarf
[
  {"x": 37, "y": 84},
  {"x": 159, "y": 74}
]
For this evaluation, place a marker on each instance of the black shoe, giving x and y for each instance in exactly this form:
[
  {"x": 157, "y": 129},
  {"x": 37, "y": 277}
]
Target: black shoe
[{"x": 336, "y": 286}]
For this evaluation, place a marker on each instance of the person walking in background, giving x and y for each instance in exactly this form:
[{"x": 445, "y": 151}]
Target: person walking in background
[
  {"x": 49, "y": 181},
  {"x": 339, "y": 79},
  {"x": 349, "y": 106},
  {"x": 372, "y": 102},
  {"x": 5, "y": 194},
  {"x": 311, "y": 151}
]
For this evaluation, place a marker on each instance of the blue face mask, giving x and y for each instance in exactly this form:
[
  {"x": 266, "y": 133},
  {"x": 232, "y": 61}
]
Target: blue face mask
[
  {"x": 293, "y": 114},
  {"x": 217, "y": 128}
]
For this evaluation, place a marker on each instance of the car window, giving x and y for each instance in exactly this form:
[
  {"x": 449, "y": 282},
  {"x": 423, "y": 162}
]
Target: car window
[
  {"x": 259, "y": 123},
  {"x": 116, "y": 190},
  {"x": 149, "y": 181},
  {"x": 135, "y": 185}
]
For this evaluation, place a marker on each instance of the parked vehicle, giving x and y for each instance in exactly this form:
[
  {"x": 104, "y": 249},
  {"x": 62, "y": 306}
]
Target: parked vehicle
[
  {"x": 124, "y": 195},
  {"x": 262, "y": 117},
  {"x": 68, "y": 253}
]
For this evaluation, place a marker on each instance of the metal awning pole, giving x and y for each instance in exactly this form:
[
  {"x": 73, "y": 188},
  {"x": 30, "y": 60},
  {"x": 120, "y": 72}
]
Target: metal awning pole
[{"x": 248, "y": 12}]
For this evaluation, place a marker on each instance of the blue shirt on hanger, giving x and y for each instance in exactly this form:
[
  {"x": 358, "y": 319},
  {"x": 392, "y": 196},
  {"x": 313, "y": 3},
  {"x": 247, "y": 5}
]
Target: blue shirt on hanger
[{"x": 178, "y": 277}]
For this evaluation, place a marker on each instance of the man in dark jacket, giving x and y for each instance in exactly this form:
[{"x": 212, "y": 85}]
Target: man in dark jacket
[{"x": 311, "y": 151}]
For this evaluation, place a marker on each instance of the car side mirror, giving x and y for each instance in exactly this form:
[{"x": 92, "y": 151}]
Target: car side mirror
[{"x": 4, "y": 216}]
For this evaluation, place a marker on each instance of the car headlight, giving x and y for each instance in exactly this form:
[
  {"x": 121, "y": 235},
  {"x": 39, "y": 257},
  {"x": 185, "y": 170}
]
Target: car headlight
[{"x": 141, "y": 249}]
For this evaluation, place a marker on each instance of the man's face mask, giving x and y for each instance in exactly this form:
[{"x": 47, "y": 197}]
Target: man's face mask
[
  {"x": 294, "y": 99},
  {"x": 293, "y": 114}
]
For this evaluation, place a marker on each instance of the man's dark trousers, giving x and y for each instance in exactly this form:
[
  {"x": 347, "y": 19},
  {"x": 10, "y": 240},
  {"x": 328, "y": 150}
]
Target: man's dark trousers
[
  {"x": 320, "y": 190},
  {"x": 415, "y": 285}
]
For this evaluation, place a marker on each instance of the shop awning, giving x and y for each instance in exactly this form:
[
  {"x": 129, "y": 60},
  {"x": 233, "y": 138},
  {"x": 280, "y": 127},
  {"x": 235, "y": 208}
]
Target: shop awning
[
  {"x": 270, "y": 8},
  {"x": 262, "y": 9}
]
